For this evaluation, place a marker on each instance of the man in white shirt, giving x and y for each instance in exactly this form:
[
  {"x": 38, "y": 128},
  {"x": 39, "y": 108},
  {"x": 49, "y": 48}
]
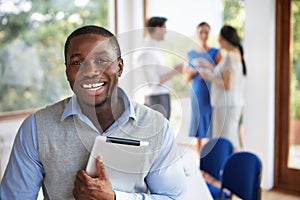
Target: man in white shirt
[{"x": 156, "y": 73}]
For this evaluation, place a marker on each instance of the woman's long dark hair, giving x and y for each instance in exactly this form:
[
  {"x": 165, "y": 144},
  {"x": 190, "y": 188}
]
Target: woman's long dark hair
[{"x": 229, "y": 33}]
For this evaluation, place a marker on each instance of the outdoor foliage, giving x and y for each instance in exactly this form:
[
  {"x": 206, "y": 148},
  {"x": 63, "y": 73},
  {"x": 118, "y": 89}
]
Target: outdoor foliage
[
  {"x": 32, "y": 35},
  {"x": 295, "y": 97},
  {"x": 234, "y": 15},
  {"x": 295, "y": 73}
]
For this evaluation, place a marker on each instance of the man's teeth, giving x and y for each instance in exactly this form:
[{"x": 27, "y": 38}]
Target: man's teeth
[{"x": 92, "y": 85}]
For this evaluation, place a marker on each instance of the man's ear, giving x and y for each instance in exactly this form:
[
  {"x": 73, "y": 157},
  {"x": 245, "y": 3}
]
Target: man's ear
[
  {"x": 120, "y": 67},
  {"x": 66, "y": 71}
]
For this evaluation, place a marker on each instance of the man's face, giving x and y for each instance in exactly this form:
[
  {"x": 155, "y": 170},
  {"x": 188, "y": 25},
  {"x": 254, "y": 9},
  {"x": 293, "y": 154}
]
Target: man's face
[
  {"x": 93, "y": 69},
  {"x": 161, "y": 31}
]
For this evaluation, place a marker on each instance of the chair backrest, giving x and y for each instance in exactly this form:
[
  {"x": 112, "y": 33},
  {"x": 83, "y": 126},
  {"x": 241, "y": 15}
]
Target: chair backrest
[
  {"x": 214, "y": 154},
  {"x": 242, "y": 175}
]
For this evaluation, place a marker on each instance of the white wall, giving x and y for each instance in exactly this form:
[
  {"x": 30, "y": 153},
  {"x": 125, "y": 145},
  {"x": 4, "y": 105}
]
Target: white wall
[
  {"x": 130, "y": 15},
  {"x": 259, "y": 108},
  {"x": 130, "y": 22}
]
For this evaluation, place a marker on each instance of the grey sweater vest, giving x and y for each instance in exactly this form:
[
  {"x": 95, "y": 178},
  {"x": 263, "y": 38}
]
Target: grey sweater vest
[{"x": 64, "y": 146}]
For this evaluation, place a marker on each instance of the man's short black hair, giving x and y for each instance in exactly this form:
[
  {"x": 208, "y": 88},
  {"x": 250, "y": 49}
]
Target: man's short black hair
[
  {"x": 91, "y": 29},
  {"x": 155, "y": 22}
]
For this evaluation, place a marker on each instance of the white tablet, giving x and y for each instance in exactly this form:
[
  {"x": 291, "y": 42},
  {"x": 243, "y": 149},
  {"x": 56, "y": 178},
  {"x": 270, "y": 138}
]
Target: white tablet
[{"x": 123, "y": 158}]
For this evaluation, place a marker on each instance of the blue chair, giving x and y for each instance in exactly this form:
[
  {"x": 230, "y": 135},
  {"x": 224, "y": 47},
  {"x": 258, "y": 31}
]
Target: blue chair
[
  {"x": 242, "y": 175},
  {"x": 214, "y": 154}
]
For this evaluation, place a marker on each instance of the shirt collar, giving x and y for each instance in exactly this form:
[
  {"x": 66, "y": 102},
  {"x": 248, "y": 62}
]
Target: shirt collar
[{"x": 73, "y": 108}]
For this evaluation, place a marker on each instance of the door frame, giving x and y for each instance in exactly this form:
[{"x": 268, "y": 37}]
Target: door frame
[{"x": 284, "y": 178}]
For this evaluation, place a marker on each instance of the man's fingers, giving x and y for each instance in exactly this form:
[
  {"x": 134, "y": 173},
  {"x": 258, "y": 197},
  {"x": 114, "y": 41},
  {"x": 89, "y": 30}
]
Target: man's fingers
[
  {"x": 75, "y": 193},
  {"x": 101, "y": 173},
  {"x": 79, "y": 179},
  {"x": 82, "y": 176}
]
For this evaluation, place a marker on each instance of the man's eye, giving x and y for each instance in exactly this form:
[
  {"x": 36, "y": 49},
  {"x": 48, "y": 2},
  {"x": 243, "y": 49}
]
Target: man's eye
[
  {"x": 78, "y": 63},
  {"x": 101, "y": 61}
]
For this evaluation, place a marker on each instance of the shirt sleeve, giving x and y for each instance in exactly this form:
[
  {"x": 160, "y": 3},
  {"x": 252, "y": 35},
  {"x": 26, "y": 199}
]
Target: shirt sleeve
[
  {"x": 166, "y": 179},
  {"x": 228, "y": 63},
  {"x": 24, "y": 172},
  {"x": 148, "y": 63}
]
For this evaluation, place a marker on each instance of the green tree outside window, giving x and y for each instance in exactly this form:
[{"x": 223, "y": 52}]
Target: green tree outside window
[{"x": 32, "y": 35}]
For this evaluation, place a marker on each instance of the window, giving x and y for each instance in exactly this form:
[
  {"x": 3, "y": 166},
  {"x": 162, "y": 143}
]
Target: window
[
  {"x": 32, "y": 35},
  {"x": 294, "y": 136}
]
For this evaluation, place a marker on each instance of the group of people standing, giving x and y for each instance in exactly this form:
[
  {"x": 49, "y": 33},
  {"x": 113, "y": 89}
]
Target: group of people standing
[
  {"x": 217, "y": 86},
  {"x": 217, "y": 82}
]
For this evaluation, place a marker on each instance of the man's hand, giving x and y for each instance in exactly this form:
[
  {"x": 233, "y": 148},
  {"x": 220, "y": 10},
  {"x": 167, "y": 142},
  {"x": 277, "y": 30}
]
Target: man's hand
[
  {"x": 205, "y": 63},
  {"x": 87, "y": 187},
  {"x": 205, "y": 75},
  {"x": 178, "y": 68}
]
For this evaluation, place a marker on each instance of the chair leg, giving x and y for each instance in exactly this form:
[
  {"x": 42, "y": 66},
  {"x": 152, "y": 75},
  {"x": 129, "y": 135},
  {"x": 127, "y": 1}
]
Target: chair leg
[{"x": 259, "y": 193}]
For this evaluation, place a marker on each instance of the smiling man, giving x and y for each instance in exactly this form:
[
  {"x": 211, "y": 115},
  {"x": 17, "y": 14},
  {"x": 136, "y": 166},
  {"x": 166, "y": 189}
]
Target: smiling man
[{"x": 53, "y": 145}]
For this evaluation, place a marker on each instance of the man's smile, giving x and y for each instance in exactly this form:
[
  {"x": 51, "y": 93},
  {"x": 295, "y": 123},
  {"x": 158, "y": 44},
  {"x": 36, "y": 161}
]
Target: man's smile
[{"x": 93, "y": 86}]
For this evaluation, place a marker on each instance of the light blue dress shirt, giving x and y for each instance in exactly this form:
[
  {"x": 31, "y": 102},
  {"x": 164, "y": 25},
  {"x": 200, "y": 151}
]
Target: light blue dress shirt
[{"x": 24, "y": 173}]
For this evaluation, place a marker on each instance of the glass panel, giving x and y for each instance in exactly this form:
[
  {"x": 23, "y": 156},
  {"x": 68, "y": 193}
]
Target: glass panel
[
  {"x": 294, "y": 136},
  {"x": 32, "y": 35}
]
